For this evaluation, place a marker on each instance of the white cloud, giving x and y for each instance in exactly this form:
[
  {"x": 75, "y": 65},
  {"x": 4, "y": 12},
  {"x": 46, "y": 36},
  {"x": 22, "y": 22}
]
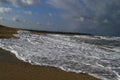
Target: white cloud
[
  {"x": 82, "y": 19},
  {"x": 5, "y": 9},
  {"x": 28, "y": 2},
  {"x": 21, "y": 3},
  {"x": 15, "y": 19}
]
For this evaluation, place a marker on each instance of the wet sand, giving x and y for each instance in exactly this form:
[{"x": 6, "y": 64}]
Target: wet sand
[{"x": 13, "y": 69}]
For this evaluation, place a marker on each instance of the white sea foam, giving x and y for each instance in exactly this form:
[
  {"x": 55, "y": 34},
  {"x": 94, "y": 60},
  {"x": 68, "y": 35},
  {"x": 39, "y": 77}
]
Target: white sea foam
[
  {"x": 109, "y": 38},
  {"x": 70, "y": 53}
]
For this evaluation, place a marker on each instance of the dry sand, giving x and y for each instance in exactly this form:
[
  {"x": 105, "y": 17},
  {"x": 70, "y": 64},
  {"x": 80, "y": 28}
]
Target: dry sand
[{"x": 6, "y": 32}]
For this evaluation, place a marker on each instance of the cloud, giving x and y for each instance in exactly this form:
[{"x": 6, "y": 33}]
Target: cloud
[
  {"x": 89, "y": 16},
  {"x": 29, "y": 2},
  {"x": 81, "y": 8},
  {"x": 15, "y": 19},
  {"x": 19, "y": 20},
  {"x": 38, "y": 23},
  {"x": 21, "y": 3},
  {"x": 5, "y": 9},
  {"x": 50, "y": 14},
  {"x": 1, "y": 18},
  {"x": 28, "y": 12},
  {"x": 64, "y": 4}
]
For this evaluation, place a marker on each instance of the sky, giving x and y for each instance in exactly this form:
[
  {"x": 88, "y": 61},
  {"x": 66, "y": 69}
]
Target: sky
[{"x": 98, "y": 17}]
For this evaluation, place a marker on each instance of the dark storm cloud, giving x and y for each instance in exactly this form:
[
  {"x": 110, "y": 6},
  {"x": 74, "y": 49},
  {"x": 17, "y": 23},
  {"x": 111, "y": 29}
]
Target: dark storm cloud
[
  {"x": 96, "y": 16},
  {"x": 112, "y": 27}
]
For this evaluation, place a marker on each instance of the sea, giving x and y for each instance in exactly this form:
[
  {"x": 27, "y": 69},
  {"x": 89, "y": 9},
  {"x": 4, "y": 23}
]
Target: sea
[{"x": 98, "y": 56}]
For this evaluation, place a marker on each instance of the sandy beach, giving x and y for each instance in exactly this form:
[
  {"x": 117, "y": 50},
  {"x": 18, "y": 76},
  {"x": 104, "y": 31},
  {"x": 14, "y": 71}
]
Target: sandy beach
[{"x": 13, "y": 69}]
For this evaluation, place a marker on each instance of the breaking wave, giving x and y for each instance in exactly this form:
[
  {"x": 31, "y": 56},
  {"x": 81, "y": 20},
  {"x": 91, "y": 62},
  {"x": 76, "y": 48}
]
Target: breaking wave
[{"x": 95, "y": 55}]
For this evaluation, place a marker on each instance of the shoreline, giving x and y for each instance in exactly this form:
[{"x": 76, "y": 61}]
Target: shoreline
[{"x": 13, "y": 69}]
